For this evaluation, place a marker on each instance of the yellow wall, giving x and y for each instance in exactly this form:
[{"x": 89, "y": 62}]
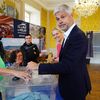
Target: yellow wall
[
  {"x": 52, "y": 24},
  {"x": 44, "y": 18},
  {"x": 91, "y": 23}
]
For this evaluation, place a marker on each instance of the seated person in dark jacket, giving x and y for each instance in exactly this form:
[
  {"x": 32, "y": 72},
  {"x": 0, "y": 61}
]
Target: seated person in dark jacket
[{"x": 30, "y": 51}]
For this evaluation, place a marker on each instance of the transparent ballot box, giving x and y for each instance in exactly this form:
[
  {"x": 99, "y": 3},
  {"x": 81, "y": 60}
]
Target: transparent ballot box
[{"x": 41, "y": 88}]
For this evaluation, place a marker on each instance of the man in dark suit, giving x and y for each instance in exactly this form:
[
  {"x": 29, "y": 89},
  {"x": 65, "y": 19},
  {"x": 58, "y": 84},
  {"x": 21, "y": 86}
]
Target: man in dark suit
[{"x": 74, "y": 82}]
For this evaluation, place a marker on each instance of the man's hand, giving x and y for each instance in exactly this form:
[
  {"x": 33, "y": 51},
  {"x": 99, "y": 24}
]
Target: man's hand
[
  {"x": 21, "y": 74},
  {"x": 32, "y": 66},
  {"x": 56, "y": 59}
]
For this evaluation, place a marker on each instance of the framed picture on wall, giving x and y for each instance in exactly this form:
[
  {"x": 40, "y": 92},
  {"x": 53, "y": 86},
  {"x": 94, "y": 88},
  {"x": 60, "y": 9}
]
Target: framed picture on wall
[{"x": 11, "y": 11}]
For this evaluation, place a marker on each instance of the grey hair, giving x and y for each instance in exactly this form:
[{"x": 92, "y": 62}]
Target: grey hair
[{"x": 63, "y": 7}]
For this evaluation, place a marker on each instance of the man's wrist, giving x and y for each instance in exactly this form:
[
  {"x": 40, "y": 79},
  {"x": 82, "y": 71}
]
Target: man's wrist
[{"x": 38, "y": 65}]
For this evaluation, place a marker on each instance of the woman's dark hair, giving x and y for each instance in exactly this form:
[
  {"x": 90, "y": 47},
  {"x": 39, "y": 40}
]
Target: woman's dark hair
[
  {"x": 42, "y": 30},
  {"x": 13, "y": 55}
]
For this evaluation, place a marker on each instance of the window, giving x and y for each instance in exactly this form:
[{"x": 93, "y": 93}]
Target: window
[
  {"x": 32, "y": 15},
  {"x": 27, "y": 16}
]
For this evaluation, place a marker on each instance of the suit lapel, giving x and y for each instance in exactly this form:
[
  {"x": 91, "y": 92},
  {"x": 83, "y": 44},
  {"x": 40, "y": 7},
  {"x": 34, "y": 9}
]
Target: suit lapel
[
  {"x": 67, "y": 40},
  {"x": 62, "y": 47}
]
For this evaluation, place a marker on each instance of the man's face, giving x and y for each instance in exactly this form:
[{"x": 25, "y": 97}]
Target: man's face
[
  {"x": 28, "y": 39},
  {"x": 64, "y": 20}
]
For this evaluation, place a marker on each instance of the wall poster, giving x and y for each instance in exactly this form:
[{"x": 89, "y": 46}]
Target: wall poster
[{"x": 13, "y": 32}]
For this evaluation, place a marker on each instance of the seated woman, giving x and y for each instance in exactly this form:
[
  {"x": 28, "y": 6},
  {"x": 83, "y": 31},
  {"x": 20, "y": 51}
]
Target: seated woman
[
  {"x": 6, "y": 72},
  {"x": 16, "y": 58}
]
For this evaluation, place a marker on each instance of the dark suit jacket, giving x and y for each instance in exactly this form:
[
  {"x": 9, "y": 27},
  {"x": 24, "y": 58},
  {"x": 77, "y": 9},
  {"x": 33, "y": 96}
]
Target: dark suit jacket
[{"x": 74, "y": 82}]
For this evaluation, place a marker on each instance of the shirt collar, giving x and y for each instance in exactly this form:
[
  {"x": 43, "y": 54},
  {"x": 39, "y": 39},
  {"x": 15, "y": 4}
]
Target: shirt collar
[{"x": 66, "y": 34}]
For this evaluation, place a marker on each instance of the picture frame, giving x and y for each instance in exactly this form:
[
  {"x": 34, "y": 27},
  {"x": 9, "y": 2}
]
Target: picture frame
[{"x": 11, "y": 11}]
